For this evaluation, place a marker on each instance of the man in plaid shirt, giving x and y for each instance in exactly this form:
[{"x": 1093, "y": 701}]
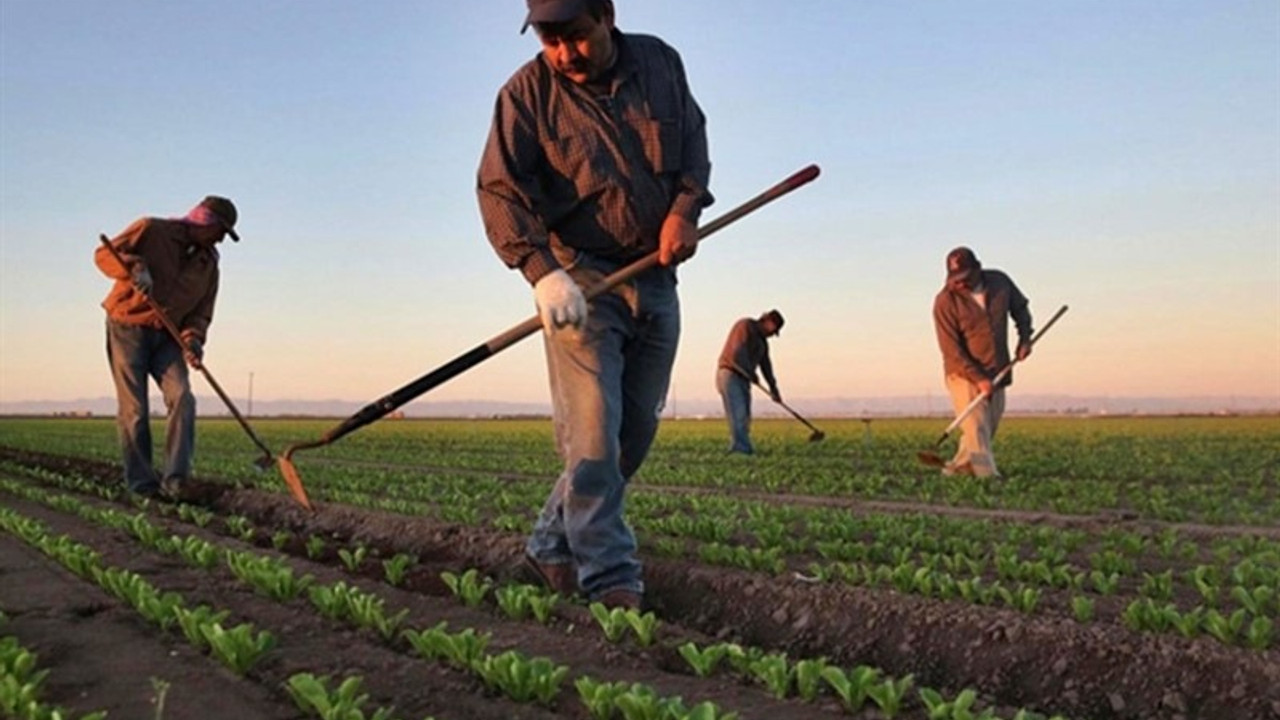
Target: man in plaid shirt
[{"x": 597, "y": 156}]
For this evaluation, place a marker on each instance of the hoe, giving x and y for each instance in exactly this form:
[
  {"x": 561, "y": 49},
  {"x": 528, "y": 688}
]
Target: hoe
[
  {"x": 266, "y": 460},
  {"x": 930, "y": 457},
  {"x": 502, "y": 341},
  {"x": 814, "y": 436}
]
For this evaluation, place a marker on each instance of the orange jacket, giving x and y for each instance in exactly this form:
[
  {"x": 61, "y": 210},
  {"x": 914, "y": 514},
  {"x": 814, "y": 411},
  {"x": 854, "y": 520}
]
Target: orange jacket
[{"x": 184, "y": 276}]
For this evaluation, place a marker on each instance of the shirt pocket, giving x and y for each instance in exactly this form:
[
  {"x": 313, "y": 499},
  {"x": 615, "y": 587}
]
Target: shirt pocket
[{"x": 662, "y": 143}]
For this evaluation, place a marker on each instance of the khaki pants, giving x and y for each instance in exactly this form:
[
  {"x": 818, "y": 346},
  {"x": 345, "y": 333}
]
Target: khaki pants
[{"x": 977, "y": 430}]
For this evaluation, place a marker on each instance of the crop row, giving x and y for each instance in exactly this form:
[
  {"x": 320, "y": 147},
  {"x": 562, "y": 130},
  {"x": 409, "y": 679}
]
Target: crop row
[
  {"x": 1177, "y": 470},
  {"x": 464, "y": 649},
  {"x": 951, "y": 558}
]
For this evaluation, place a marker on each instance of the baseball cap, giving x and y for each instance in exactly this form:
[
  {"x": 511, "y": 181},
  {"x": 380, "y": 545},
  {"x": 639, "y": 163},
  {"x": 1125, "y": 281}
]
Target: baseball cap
[
  {"x": 225, "y": 211},
  {"x": 552, "y": 11},
  {"x": 777, "y": 319},
  {"x": 960, "y": 262}
]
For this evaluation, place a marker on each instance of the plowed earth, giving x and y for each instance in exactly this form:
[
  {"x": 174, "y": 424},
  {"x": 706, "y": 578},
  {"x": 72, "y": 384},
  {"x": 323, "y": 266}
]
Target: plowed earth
[{"x": 101, "y": 655}]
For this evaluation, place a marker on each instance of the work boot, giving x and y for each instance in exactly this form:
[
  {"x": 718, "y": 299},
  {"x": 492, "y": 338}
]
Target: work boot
[
  {"x": 178, "y": 489},
  {"x": 146, "y": 492},
  {"x": 560, "y": 578},
  {"x": 620, "y": 598},
  {"x": 963, "y": 468}
]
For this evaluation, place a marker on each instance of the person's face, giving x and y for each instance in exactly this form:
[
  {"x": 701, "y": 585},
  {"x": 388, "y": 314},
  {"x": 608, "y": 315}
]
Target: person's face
[
  {"x": 579, "y": 49},
  {"x": 968, "y": 281},
  {"x": 208, "y": 235}
]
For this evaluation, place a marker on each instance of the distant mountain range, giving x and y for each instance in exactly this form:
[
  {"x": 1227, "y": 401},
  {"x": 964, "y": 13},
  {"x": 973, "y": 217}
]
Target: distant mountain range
[{"x": 920, "y": 405}]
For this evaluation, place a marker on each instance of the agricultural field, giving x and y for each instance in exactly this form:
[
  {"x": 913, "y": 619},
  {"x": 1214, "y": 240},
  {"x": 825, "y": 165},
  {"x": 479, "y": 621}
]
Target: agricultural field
[{"x": 1123, "y": 568}]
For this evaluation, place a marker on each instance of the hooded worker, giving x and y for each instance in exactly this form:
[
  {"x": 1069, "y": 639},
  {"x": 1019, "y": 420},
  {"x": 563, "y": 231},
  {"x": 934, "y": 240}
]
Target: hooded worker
[
  {"x": 971, "y": 317},
  {"x": 173, "y": 264},
  {"x": 746, "y": 350}
]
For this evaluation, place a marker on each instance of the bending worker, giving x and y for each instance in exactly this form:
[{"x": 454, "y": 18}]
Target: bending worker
[
  {"x": 175, "y": 263},
  {"x": 971, "y": 316},
  {"x": 746, "y": 349}
]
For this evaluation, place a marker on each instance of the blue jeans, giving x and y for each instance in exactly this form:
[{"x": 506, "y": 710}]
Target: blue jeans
[
  {"x": 608, "y": 385},
  {"x": 136, "y": 353},
  {"x": 735, "y": 391}
]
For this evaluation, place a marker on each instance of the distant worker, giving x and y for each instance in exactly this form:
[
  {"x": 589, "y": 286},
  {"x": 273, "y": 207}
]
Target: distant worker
[
  {"x": 970, "y": 315},
  {"x": 596, "y": 157},
  {"x": 745, "y": 350},
  {"x": 175, "y": 263}
]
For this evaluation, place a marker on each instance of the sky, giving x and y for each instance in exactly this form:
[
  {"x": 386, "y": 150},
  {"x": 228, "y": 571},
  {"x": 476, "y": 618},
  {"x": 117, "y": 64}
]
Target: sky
[{"x": 1121, "y": 157}]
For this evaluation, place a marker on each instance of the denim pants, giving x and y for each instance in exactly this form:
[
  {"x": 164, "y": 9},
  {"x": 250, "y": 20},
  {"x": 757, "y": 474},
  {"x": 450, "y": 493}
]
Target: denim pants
[
  {"x": 978, "y": 429},
  {"x": 735, "y": 391},
  {"x": 137, "y": 353},
  {"x": 608, "y": 385}
]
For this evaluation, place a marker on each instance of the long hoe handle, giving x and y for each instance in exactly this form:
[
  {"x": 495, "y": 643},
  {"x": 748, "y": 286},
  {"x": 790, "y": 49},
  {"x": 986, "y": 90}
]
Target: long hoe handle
[
  {"x": 377, "y": 409},
  {"x": 996, "y": 380},
  {"x": 818, "y": 434},
  {"x": 263, "y": 462}
]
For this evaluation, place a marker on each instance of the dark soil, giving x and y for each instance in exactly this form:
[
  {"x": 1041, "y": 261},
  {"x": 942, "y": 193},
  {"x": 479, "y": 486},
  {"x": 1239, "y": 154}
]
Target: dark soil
[{"x": 103, "y": 656}]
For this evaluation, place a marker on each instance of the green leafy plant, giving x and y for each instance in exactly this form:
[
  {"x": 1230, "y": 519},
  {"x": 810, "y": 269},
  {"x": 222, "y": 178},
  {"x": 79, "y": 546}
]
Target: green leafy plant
[
  {"x": 703, "y": 661},
  {"x": 241, "y": 527},
  {"x": 315, "y": 547},
  {"x": 280, "y": 538},
  {"x": 889, "y": 694},
  {"x": 193, "y": 620},
  {"x": 808, "y": 677},
  {"x": 238, "y": 648},
  {"x": 613, "y": 621},
  {"x": 645, "y": 626},
  {"x": 852, "y": 686},
  {"x": 1259, "y": 634},
  {"x": 352, "y": 559},
  {"x": 468, "y": 587},
  {"x": 774, "y": 672},
  {"x": 520, "y": 678},
  {"x": 312, "y": 695},
  {"x": 599, "y": 697},
  {"x": 397, "y": 568},
  {"x": 1082, "y": 607},
  {"x": 461, "y": 650}
]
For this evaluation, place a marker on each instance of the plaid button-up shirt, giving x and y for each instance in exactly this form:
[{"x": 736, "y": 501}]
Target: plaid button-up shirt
[{"x": 565, "y": 171}]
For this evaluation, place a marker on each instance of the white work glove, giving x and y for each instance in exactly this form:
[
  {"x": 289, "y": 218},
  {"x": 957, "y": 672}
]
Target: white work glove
[
  {"x": 141, "y": 277},
  {"x": 560, "y": 301}
]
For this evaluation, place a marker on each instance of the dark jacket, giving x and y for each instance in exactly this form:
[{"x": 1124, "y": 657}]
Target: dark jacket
[
  {"x": 565, "y": 172},
  {"x": 745, "y": 349},
  {"x": 974, "y": 341},
  {"x": 184, "y": 276}
]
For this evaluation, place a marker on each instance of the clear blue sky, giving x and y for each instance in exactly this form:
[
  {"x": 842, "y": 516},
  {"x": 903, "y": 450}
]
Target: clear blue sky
[{"x": 1119, "y": 157}]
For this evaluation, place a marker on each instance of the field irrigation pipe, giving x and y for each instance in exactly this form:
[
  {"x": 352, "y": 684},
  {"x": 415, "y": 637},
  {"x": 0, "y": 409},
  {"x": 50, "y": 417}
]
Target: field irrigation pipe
[
  {"x": 263, "y": 462},
  {"x": 930, "y": 456},
  {"x": 502, "y": 341}
]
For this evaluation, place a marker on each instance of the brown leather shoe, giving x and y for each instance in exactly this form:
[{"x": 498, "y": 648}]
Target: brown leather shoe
[
  {"x": 620, "y": 597},
  {"x": 561, "y": 578}
]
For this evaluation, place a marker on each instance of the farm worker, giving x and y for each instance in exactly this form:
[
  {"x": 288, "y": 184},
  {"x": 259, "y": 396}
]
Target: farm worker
[
  {"x": 597, "y": 156},
  {"x": 175, "y": 262},
  {"x": 970, "y": 315},
  {"x": 745, "y": 350}
]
